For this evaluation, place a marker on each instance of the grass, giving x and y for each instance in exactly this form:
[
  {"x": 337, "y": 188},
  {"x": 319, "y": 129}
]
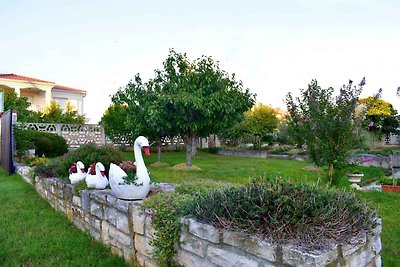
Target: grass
[
  {"x": 34, "y": 234},
  {"x": 224, "y": 168},
  {"x": 240, "y": 169}
]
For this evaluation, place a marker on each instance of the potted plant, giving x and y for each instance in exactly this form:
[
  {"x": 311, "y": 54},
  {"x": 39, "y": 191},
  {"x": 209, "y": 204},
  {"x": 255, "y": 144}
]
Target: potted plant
[{"x": 390, "y": 184}]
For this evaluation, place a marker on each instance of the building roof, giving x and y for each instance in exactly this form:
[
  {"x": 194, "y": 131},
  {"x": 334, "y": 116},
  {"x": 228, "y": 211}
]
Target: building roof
[
  {"x": 66, "y": 88},
  {"x": 12, "y": 76}
]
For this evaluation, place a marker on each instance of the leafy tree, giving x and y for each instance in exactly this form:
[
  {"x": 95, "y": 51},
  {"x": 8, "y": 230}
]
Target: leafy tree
[
  {"x": 381, "y": 117},
  {"x": 20, "y": 105},
  {"x": 54, "y": 114},
  {"x": 258, "y": 125},
  {"x": 143, "y": 111},
  {"x": 328, "y": 126},
  {"x": 114, "y": 122},
  {"x": 199, "y": 98}
]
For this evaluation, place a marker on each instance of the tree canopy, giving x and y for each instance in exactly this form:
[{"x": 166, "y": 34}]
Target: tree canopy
[
  {"x": 328, "y": 126},
  {"x": 381, "y": 117},
  {"x": 187, "y": 98}
]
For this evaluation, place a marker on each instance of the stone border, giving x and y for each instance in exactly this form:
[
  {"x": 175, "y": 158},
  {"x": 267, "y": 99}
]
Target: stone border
[{"x": 128, "y": 232}]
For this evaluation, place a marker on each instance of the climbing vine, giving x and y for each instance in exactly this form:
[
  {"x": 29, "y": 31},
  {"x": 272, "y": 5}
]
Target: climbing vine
[{"x": 164, "y": 212}]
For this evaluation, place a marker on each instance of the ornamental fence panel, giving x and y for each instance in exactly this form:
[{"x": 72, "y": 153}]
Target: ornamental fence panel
[{"x": 75, "y": 134}]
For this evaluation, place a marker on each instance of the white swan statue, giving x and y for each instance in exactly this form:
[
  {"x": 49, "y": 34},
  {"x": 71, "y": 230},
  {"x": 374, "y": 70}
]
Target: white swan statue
[
  {"x": 98, "y": 180},
  {"x": 79, "y": 175},
  {"x": 116, "y": 174}
]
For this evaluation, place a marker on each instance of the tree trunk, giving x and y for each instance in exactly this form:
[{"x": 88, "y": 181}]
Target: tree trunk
[
  {"x": 190, "y": 142},
  {"x": 159, "y": 152}
]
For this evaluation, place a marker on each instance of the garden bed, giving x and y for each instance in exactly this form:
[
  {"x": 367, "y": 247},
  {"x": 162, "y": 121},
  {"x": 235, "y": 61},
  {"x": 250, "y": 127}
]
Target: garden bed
[{"x": 122, "y": 226}]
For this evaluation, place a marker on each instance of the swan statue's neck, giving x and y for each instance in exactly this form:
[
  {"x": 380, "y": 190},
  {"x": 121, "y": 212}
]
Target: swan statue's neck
[{"x": 140, "y": 167}]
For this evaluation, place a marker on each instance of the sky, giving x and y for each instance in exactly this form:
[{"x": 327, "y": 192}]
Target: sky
[{"x": 274, "y": 47}]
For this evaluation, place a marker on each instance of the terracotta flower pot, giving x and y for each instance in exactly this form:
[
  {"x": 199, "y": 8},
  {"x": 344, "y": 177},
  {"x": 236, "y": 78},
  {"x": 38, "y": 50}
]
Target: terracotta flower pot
[{"x": 391, "y": 188}]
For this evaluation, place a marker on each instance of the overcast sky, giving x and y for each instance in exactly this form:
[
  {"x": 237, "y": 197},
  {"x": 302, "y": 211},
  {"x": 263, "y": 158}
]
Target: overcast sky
[{"x": 273, "y": 46}]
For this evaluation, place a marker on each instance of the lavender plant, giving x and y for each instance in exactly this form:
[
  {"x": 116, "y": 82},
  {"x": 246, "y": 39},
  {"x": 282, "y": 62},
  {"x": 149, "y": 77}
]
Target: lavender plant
[{"x": 329, "y": 126}]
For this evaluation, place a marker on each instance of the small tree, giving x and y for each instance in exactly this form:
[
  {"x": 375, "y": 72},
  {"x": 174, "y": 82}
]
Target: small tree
[
  {"x": 258, "y": 126},
  {"x": 114, "y": 122},
  {"x": 199, "y": 98},
  {"x": 381, "y": 117},
  {"x": 328, "y": 126}
]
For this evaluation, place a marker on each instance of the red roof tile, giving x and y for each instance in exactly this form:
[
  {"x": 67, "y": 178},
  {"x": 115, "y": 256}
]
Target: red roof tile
[
  {"x": 60, "y": 87},
  {"x": 12, "y": 76}
]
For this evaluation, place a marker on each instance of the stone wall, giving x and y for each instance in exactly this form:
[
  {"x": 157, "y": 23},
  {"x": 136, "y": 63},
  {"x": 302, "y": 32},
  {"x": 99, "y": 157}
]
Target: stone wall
[{"x": 127, "y": 231}]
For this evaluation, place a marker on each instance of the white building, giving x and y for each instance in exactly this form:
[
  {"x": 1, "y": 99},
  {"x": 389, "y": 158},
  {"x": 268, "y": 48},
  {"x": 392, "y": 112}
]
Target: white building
[{"x": 40, "y": 93}]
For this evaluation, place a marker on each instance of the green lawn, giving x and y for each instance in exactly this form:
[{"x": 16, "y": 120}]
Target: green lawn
[
  {"x": 34, "y": 234},
  {"x": 240, "y": 169}
]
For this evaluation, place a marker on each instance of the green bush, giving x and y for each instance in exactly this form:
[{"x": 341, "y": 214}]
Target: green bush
[
  {"x": 89, "y": 154},
  {"x": 284, "y": 212},
  {"x": 23, "y": 141},
  {"x": 48, "y": 144},
  {"x": 50, "y": 169}
]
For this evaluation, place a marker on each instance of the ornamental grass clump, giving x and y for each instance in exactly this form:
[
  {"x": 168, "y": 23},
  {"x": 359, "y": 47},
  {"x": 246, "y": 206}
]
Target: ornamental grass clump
[{"x": 284, "y": 212}]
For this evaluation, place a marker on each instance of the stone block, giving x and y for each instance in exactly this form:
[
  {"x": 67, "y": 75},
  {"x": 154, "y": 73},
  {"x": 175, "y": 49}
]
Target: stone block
[
  {"x": 119, "y": 236},
  {"x": 149, "y": 229},
  {"x": 111, "y": 215},
  {"x": 376, "y": 244},
  {"x": 111, "y": 199},
  {"x": 204, "y": 231},
  {"x": 76, "y": 201},
  {"x": 138, "y": 219},
  {"x": 94, "y": 233},
  {"x": 359, "y": 258},
  {"x": 95, "y": 223},
  {"x": 123, "y": 223},
  {"x": 96, "y": 209},
  {"x": 185, "y": 258},
  {"x": 99, "y": 195},
  {"x": 85, "y": 200},
  {"x": 354, "y": 245},
  {"x": 251, "y": 244},
  {"x": 122, "y": 205},
  {"x": 192, "y": 244},
  {"x": 222, "y": 257},
  {"x": 105, "y": 226},
  {"x": 67, "y": 195},
  {"x": 142, "y": 244},
  {"x": 291, "y": 255}
]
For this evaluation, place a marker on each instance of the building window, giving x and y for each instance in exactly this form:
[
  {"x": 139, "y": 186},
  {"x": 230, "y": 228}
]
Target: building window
[{"x": 62, "y": 102}]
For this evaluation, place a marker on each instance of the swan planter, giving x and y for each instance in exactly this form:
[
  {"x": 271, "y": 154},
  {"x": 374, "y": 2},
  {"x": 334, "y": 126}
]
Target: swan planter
[
  {"x": 77, "y": 172},
  {"x": 140, "y": 187},
  {"x": 96, "y": 178}
]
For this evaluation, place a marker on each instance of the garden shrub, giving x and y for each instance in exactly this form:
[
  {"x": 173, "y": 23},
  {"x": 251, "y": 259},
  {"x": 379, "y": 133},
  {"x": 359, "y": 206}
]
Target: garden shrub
[
  {"x": 89, "y": 154},
  {"x": 284, "y": 212},
  {"x": 48, "y": 144},
  {"x": 36, "y": 161},
  {"x": 51, "y": 169}
]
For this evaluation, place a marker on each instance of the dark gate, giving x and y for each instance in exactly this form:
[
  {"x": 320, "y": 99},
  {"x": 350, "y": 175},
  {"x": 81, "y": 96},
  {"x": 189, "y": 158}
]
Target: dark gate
[{"x": 7, "y": 162}]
